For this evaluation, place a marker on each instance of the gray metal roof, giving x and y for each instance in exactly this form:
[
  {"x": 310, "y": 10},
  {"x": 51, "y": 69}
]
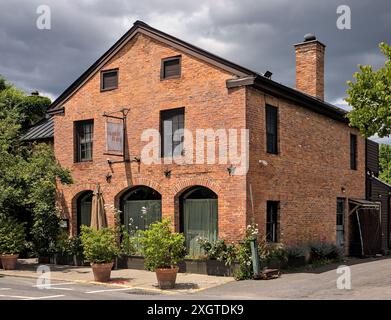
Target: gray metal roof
[{"x": 42, "y": 130}]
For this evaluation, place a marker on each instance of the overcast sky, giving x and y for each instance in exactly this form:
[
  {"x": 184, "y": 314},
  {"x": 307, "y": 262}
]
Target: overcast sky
[{"x": 258, "y": 34}]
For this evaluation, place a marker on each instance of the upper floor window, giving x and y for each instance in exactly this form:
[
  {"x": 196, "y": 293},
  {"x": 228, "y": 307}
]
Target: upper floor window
[
  {"x": 271, "y": 221},
  {"x": 84, "y": 134},
  {"x": 271, "y": 129},
  {"x": 171, "y": 68},
  {"x": 172, "y": 123},
  {"x": 353, "y": 151},
  {"x": 109, "y": 80}
]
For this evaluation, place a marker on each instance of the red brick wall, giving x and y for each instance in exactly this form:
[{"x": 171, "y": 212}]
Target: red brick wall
[
  {"x": 307, "y": 175},
  {"x": 310, "y": 68},
  {"x": 208, "y": 104}
]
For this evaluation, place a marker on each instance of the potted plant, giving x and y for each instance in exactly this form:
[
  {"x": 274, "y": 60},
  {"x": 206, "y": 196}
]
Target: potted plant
[
  {"x": 100, "y": 249},
  {"x": 163, "y": 250},
  {"x": 12, "y": 240}
]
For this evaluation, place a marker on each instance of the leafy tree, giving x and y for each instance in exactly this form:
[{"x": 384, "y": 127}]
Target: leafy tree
[
  {"x": 385, "y": 163},
  {"x": 28, "y": 175},
  {"x": 370, "y": 98}
]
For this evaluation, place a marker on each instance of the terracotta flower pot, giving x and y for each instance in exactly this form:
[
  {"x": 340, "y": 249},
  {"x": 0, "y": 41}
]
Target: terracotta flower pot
[
  {"x": 9, "y": 261},
  {"x": 102, "y": 271},
  {"x": 166, "y": 277}
]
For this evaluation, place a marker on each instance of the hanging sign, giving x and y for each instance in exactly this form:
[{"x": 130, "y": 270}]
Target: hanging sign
[{"x": 115, "y": 137}]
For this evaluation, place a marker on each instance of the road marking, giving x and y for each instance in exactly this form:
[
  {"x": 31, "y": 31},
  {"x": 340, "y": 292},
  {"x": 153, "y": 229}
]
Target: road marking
[
  {"x": 46, "y": 297},
  {"x": 49, "y": 288},
  {"x": 54, "y": 284},
  {"x": 108, "y": 290},
  {"x": 2, "y": 289},
  {"x": 16, "y": 297}
]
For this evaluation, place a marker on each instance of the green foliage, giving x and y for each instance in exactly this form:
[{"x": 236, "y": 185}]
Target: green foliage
[
  {"x": 295, "y": 252},
  {"x": 12, "y": 236},
  {"x": 99, "y": 246},
  {"x": 161, "y": 247},
  {"x": 28, "y": 175},
  {"x": 385, "y": 162},
  {"x": 324, "y": 251},
  {"x": 268, "y": 251},
  {"x": 370, "y": 98},
  {"x": 243, "y": 255},
  {"x": 218, "y": 250},
  {"x": 66, "y": 245},
  {"x": 126, "y": 240}
]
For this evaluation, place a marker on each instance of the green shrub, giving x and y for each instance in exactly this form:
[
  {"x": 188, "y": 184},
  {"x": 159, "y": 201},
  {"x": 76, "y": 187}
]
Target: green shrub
[
  {"x": 243, "y": 254},
  {"x": 161, "y": 247},
  {"x": 12, "y": 236},
  {"x": 75, "y": 246},
  {"x": 218, "y": 250},
  {"x": 99, "y": 246},
  {"x": 128, "y": 244},
  {"x": 295, "y": 252},
  {"x": 269, "y": 251},
  {"x": 324, "y": 251}
]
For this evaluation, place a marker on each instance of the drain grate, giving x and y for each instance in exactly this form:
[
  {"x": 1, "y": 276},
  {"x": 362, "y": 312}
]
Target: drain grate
[{"x": 143, "y": 292}]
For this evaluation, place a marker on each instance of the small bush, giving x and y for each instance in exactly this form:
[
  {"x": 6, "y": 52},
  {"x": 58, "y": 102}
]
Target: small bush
[
  {"x": 161, "y": 247},
  {"x": 218, "y": 250},
  {"x": 324, "y": 251},
  {"x": 99, "y": 246},
  {"x": 295, "y": 252},
  {"x": 12, "y": 236},
  {"x": 268, "y": 251}
]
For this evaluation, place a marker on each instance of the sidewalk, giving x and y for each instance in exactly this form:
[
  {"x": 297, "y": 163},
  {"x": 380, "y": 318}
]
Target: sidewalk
[{"x": 128, "y": 278}]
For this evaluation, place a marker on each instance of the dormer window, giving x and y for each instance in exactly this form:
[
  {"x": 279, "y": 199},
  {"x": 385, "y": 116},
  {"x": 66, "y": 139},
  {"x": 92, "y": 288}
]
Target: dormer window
[
  {"x": 109, "y": 80},
  {"x": 170, "y": 68}
]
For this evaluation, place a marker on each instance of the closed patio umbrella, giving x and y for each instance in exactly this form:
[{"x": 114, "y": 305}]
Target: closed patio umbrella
[{"x": 98, "y": 215}]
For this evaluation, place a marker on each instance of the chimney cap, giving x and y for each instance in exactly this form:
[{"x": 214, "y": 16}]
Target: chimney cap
[{"x": 309, "y": 37}]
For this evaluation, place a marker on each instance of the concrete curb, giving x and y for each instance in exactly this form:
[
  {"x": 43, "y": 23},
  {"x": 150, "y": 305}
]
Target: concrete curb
[{"x": 108, "y": 284}]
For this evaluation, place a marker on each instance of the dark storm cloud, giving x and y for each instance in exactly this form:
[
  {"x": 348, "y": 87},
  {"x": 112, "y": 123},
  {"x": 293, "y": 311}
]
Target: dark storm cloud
[{"x": 258, "y": 34}]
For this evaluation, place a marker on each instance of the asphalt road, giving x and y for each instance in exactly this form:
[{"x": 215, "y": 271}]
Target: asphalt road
[{"x": 370, "y": 279}]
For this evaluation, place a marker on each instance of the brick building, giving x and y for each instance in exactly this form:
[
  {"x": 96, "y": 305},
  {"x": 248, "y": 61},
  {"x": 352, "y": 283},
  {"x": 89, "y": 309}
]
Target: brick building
[{"x": 304, "y": 161}]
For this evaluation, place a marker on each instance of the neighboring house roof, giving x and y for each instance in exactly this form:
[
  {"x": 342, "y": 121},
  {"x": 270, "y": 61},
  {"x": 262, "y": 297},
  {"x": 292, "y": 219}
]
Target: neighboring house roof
[
  {"x": 382, "y": 182},
  {"x": 41, "y": 131},
  {"x": 245, "y": 76}
]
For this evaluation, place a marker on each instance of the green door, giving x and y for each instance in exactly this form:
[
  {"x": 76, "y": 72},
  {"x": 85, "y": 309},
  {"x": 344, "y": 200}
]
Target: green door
[
  {"x": 200, "y": 220},
  {"x": 142, "y": 212}
]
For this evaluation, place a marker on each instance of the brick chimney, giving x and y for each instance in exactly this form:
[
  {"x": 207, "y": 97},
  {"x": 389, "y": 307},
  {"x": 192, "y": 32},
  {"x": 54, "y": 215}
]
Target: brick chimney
[{"x": 310, "y": 66}]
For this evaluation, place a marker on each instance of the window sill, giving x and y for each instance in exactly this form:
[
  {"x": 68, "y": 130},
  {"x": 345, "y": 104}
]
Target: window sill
[
  {"x": 108, "y": 89},
  {"x": 170, "y": 78}
]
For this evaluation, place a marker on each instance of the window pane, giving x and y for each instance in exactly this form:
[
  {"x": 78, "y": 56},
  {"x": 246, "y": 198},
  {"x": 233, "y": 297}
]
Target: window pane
[
  {"x": 84, "y": 140},
  {"x": 172, "y": 132},
  {"x": 271, "y": 129}
]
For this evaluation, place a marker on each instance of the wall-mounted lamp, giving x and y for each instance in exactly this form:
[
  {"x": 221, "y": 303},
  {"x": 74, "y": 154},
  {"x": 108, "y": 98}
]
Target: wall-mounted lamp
[
  {"x": 263, "y": 163},
  {"x": 108, "y": 177},
  {"x": 231, "y": 170},
  {"x": 343, "y": 190},
  {"x": 167, "y": 173}
]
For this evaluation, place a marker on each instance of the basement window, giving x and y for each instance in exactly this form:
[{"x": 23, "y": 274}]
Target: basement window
[
  {"x": 170, "y": 68},
  {"x": 109, "y": 80}
]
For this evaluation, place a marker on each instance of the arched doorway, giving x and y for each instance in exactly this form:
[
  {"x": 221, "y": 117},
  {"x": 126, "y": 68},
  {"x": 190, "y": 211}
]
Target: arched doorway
[
  {"x": 198, "y": 217},
  {"x": 140, "y": 207},
  {"x": 84, "y": 202}
]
